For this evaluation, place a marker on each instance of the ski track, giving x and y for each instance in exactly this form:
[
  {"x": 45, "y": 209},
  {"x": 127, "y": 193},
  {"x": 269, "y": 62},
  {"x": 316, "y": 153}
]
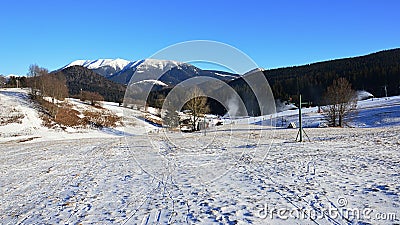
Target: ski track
[{"x": 99, "y": 181}]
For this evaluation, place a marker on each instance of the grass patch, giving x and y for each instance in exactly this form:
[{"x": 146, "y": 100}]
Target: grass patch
[
  {"x": 10, "y": 115},
  {"x": 63, "y": 115}
]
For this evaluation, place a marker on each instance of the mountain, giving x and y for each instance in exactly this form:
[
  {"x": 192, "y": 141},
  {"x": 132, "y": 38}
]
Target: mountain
[
  {"x": 173, "y": 72},
  {"x": 373, "y": 73},
  {"x": 104, "y": 67},
  {"x": 81, "y": 78}
]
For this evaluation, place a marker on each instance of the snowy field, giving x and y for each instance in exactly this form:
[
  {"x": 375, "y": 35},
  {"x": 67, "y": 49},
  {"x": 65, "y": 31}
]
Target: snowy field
[
  {"x": 15, "y": 103},
  {"x": 237, "y": 174}
]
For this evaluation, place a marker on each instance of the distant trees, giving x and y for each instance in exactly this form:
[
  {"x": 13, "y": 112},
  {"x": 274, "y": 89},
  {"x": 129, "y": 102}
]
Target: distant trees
[
  {"x": 92, "y": 97},
  {"x": 55, "y": 87},
  {"x": 43, "y": 84},
  {"x": 371, "y": 73},
  {"x": 35, "y": 81},
  {"x": 341, "y": 101},
  {"x": 197, "y": 105},
  {"x": 13, "y": 82}
]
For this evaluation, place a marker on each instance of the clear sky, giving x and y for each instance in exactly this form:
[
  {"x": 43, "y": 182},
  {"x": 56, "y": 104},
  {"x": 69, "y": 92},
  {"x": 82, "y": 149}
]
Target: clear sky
[{"x": 273, "y": 33}]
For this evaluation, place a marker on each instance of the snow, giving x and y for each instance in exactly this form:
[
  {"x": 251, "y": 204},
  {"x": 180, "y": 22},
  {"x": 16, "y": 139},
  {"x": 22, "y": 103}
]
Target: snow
[
  {"x": 31, "y": 127},
  {"x": 120, "y": 181},
  {"x": 229, "y": 176},
  {"x": 161, "y": 64},
  {"x": 117, "y": 64},
  {"x": 17, "y": 99},
  {"x": 362, "y": 95},
  {"x": 135, "y": 64},
  {"x": 226, "y": 75},
  {"x": 120, "y": 64},
  {"x": 374, "y": 112},
  {"x": 154, "y": 82}
]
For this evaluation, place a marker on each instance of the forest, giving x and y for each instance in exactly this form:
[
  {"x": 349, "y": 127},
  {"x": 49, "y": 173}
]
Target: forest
[{"x": 373, "y": 73}]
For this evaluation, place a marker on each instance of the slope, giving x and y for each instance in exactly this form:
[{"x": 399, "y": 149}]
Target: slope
[
  {"x": 371, "y": 72},
  {"x": 80, "y": 78}
]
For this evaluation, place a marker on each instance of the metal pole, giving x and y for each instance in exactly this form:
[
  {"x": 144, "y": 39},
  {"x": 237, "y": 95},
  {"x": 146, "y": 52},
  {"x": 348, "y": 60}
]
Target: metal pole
[
  {"x": 385, "y": 91},
  {"x": 205, "y": 132},
  {"x": 300, "y": 122}
]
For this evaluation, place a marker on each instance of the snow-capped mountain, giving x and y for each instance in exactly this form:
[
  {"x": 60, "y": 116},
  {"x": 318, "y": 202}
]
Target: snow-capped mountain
[
  {"x": 104, "y": 67},
  {"x": 156, "y": 82},
  {"x": 173, "y": 72},
  {"x": 150, "y": 69}
]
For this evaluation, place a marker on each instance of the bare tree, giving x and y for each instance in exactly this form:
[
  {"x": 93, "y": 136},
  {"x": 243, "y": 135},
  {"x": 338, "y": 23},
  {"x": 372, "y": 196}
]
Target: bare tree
[
  {"x": 54, "y": 86},
  {"x": 197, "y": 105},
  {"x": 341, "y": 101},
  {"x": 43, "y": 83},
  {"x": 92, "y": 97},
  {"x": 35, "y": 81}
]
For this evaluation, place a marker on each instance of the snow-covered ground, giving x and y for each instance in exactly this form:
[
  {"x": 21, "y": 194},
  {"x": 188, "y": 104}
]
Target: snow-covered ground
[
  {"x": 374, "y": 112},
  {"x": 30, "y": 127},
  {"x": 235, "y": 174}
]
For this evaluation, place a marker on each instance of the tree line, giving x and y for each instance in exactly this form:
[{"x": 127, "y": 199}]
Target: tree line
[
  {"x": 13, "y": 82},
  {"x": 374, "y": 73},
  {"x": 44, "y": 84}
]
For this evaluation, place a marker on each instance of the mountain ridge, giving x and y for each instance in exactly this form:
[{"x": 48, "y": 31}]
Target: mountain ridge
[
  {"x": 173, "y": 72},
  {"x": 104, "y": 67}
]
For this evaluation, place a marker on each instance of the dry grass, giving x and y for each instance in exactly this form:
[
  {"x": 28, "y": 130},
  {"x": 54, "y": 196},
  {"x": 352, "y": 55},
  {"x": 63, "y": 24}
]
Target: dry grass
[
  {"x": 10, "y": 115},
  {"x": 103, "y": 118},
  {"x": 47, "y": 107},
  {"x": 56, "y": 115},
  {"x": 69, "y": 117},
  {"x": 11, "y": 119}
]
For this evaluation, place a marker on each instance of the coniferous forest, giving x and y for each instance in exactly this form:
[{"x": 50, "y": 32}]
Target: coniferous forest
[{"x": 370, "y": 73}]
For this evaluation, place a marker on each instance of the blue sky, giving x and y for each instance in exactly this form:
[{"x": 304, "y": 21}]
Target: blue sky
[{"x": 273, "y": 33}]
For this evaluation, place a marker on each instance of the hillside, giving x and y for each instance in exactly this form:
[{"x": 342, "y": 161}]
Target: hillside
[
  {"x": 81, "y": 78},
  {"x": 22, "y": 120},
  {"x": 371, "y": 73},
  {"x": 173, "y": 72}
]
